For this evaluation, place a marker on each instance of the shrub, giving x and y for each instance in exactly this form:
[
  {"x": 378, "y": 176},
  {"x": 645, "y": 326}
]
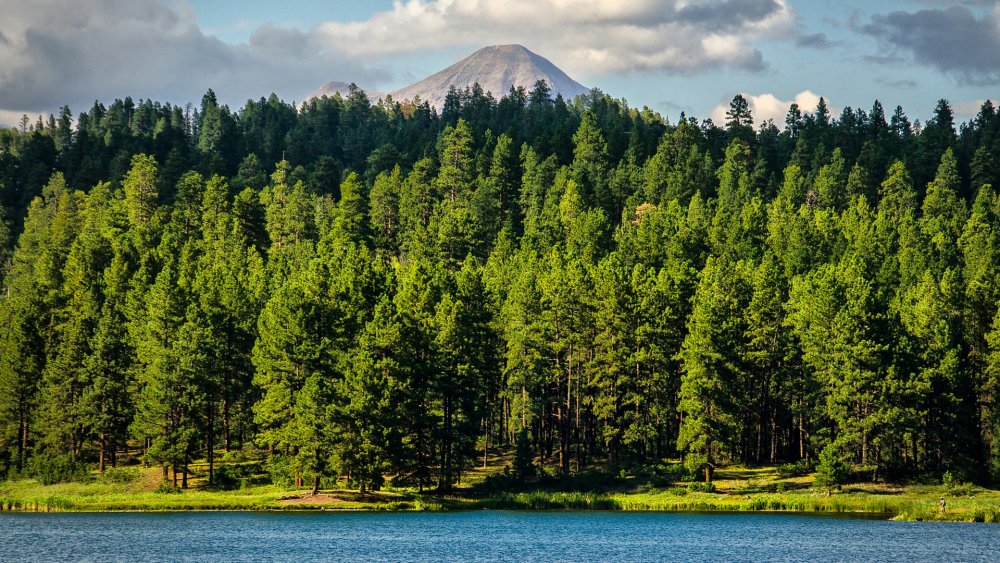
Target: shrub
[
  {"x": 56, "y": 469},
  {"x": 948, "y": 480},
  {"x": 120, "y": 475},
  {"x": 695, "y": 463},
  {"x": 832, "y": 471},
  {"x": 524, "y": 464},
  {"x": 166, "y": 488},
  {"x": 797, "y": 469},
  {"x": 700, "y": 487},
  {"x": 234, "y": 456},
  {"x": 280, "y": 469},
  {"x": 666, "y": 475},
  {"x": 236, "y": 475}
]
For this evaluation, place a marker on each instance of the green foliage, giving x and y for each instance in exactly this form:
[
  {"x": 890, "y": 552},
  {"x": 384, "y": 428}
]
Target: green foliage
[
  {"x": 120, "y": 475},
  {"x": 702, "y": 487},
  {"x": 55, "y": 469},
  {"x": 524, "y": 463},
  {"x": 797, "y": 469},
  {"x": 238, "y": 475},
  {"x": 832, "y": 470},
  {"x": 166, "y": 488},
  {"x": 409, "y": 293}
]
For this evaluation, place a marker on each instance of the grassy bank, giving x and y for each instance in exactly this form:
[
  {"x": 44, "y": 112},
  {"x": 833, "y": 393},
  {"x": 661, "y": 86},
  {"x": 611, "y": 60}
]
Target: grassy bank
[
  {"x": 904, "y": 506},
  {"x": 737, "y": 490}
]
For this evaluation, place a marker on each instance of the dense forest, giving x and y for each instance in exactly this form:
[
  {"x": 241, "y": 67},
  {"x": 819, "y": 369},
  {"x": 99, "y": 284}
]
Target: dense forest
[{"x": 384, "y": 291}]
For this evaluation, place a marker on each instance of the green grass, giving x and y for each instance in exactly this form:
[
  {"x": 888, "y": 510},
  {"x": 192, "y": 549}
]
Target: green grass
[
  {"x": 738, "y": 490},
  {"x": 903, "y": 507}
]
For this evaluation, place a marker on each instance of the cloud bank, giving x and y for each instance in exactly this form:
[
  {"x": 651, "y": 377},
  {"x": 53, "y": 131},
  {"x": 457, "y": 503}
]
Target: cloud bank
[
  {"x": 583, "y": 36},
  {"x": 954, "y": 40},
  {"x": 768, "y": 106},
  {"x": 56, "y": 52}
]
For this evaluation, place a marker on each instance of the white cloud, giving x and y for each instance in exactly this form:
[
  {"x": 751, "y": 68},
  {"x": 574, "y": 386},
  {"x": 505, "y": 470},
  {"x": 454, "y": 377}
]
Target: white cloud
[
  {"x": 56, "y": 52},
  {"x": 768, "y": 106},
  {"x": 583, "y": 36}
]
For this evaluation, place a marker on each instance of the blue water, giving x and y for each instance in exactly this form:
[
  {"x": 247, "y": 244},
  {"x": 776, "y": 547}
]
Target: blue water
[{"x": 485, "y": 536}]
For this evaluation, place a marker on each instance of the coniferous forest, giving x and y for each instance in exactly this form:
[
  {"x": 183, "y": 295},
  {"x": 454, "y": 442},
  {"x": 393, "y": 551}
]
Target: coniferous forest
[{"x": 382, "y": 291}]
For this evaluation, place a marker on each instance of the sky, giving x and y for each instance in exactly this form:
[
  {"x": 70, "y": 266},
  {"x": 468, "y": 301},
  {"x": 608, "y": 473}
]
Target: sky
[{"x": 672, "y": 56}]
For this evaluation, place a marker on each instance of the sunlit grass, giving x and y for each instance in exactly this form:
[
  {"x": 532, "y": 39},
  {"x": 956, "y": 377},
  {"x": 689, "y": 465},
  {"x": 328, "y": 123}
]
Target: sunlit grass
[{"x": 737, "y": 490}]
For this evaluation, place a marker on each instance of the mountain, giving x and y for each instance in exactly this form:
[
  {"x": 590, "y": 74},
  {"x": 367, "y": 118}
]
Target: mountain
[
  {"x": 496, "y": 69},
  {"x": 342, "y": 88}
]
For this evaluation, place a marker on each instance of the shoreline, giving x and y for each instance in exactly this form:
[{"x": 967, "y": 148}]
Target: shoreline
[{"x": 911, "y": 507}]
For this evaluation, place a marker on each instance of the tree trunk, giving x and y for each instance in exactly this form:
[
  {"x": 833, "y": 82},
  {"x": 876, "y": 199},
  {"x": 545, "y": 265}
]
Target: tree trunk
[
  {"x": 225, "y": 424},
  {"x": 22, "y": 442},
  {"x": 100, "y": 458},
  {"x": 211, "y": 445},
  {"x": 184, "y": 477},
  {"x": 315, "y": 490},
  {"x": 444, "y": 479},
  {"x": 564, "y": 445},
  {"x": 524, "y": 400},
  {"x": 486, "y": 442}
]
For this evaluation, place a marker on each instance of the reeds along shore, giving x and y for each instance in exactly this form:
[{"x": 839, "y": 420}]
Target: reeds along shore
[{"x": 918, "y": 503}]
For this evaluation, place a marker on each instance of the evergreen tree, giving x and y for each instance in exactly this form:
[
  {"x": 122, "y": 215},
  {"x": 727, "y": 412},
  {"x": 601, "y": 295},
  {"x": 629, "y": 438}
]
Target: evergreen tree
[{"x": 713, "y": 370}]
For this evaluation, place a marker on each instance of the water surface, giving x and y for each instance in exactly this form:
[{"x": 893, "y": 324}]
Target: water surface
[{"x": 485, "y": 536}]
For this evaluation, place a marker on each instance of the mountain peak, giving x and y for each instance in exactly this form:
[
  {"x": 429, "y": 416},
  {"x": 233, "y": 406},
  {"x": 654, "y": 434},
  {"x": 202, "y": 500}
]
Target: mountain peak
[{"x": 495, "y": 68}]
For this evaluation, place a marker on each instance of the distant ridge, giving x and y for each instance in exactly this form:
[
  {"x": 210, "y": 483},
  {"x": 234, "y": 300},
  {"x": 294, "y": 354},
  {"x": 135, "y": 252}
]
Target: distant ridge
[
  {"x": 332, "y": 88},
  {"x": 494, "y": 68}
]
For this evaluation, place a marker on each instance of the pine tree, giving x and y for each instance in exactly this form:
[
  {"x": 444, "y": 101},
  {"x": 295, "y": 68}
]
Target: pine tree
[
  {"x": 713, "y": 372},
  {"x": 384, "y": 205},
  {"x": 294, "y": 356},
  {"x": 590, "y": 168},
  {"x": 368, "y": 412}
]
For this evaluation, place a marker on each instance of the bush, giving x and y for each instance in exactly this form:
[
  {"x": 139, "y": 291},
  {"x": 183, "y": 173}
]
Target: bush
[
  {"x": 797, "y": 469},
  {"x": 166, "y": 488},
  {"x": 231, "y": 476},
  {"x": 234, "y": 456},
  {"x": 524, "y": 459},
  {"x": 280, "y": 469},
  {"x": 120, "y": 475},
  {"x": 56, "y": 469},
  {"x": 666, "y": 475},
  {"x": 832, "y": 471},
  {"x": 695, "y": 463},
  {"x": 948, "y": 480},
  {"x": 701, "y": 487}
]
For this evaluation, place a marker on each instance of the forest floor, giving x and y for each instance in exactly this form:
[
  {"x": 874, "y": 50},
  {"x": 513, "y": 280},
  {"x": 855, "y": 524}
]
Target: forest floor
[{"x": 734, "y": 489}]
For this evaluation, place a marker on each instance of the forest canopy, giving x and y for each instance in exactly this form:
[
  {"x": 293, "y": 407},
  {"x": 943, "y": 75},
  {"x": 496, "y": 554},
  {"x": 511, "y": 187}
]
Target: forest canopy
[{"x": 384, "y": 291}]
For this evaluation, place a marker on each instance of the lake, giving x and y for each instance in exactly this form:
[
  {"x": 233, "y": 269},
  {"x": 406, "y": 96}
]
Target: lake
[{"x": 485, "y": 536}]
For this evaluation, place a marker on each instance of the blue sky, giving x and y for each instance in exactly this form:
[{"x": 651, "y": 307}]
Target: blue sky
[{"x": 669, "y": 55}]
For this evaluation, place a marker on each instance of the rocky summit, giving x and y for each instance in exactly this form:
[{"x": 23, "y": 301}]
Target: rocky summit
[{"x": 495, "y": 69}]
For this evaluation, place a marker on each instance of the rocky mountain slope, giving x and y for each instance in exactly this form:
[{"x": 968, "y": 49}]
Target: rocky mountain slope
[{"x": 495, "y": 68}]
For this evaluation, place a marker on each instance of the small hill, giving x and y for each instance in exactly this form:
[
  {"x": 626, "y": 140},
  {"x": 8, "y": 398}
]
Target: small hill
[
  {"x": 331, "y": 88},
  {"x": 496, "y": 69}
]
